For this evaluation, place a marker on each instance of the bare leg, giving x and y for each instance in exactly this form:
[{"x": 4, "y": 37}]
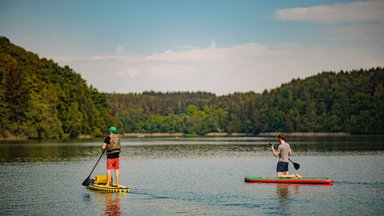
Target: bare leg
[
  {"x": 286, "y": 175},
  {"x": 117, "y": 175},
  {"x": 108, "y": 177}
]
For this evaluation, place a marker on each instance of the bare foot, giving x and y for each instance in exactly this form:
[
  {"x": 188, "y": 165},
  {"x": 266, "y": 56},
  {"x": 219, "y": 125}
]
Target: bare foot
[{"x": 298, "y": 176}]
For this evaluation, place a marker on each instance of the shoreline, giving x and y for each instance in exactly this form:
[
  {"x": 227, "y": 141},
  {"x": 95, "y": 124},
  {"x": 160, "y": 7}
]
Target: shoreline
[
  {"x": 184, "y": 135},
  {"x": 217, "y": 134},
  {"x": 213, "y": 134},
  {"x": 306, "y": 134}
]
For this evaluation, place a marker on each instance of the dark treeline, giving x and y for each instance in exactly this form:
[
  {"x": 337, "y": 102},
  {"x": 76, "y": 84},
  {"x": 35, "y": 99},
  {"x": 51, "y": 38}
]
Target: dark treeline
[
  {"x": 39, "y": 99},
  {"x": 350, "y": 102}
]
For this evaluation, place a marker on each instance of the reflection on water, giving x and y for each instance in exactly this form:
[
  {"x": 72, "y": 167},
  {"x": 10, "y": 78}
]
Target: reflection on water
[
  {"x": 112, "y": 204},
  {"x": 337, "y": 144},
  {"x": 109, "y": 202},
  {"x": 30, "y": 151},
  {"x": 288, "y": 193},
  {"x": 285, "y": 190},
  {"x": 40, "y": 151}
]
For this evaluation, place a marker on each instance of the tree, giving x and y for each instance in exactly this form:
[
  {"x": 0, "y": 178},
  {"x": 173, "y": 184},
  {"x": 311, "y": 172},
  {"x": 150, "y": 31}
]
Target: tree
[{"x": 15, "y": 89}]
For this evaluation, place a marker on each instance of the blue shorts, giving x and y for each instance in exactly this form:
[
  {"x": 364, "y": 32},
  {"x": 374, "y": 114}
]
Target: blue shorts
[{"x": 282, "y": 166}]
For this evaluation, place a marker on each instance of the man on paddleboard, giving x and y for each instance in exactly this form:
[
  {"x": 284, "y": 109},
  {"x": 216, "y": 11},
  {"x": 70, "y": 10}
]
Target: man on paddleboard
[
  {"x": 112, "y": 147},
  {"x": 283, "y": 151}
]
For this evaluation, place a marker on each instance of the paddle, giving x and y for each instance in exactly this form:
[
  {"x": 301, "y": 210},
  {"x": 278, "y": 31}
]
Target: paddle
[
  {"x": 296, "y": 165},
  {"x": 87, "y": 181}
]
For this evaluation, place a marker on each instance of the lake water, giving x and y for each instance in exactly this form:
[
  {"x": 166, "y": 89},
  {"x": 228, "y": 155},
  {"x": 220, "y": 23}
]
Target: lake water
[{"x": 193, "y": 176}]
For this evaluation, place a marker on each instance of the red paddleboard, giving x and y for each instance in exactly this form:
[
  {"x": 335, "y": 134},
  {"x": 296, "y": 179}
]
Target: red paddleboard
[{"x": 307, "y": 180}]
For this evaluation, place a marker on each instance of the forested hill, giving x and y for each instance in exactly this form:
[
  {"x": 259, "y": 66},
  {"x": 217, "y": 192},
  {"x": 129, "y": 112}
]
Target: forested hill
[
  {"x": 39, "y": 99},
  {"x": 328, "y": 102},
  {"x": 350, "y": 102}
]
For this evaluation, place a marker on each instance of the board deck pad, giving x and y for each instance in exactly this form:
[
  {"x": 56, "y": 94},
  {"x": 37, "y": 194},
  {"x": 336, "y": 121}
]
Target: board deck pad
[{"x": 111, "y": 189}]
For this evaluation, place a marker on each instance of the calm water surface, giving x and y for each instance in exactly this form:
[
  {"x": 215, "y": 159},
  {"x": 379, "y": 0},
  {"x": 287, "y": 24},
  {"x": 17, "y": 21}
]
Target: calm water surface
[{"x": 193, "y": 176}]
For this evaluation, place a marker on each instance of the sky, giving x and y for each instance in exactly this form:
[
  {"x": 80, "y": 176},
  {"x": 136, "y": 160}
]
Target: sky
[{"x": 217, "y": 46}]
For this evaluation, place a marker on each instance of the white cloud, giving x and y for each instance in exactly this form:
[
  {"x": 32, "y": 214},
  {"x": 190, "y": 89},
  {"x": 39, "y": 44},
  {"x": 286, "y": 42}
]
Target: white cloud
[
  {"x": 119, "y": 56},
  {"x": 359, "y": 11},
  {"x": 202, "y": 55},
  {"x": 224, "y": 70},
  {"x": 130, "y": 72},
  {"x": 212, "y": 54}
]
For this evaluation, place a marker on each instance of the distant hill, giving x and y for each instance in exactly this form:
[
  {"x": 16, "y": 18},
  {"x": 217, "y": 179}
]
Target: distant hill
[
  {"x": 39, "y": 99},
  {"x": 351, "y": 102}
]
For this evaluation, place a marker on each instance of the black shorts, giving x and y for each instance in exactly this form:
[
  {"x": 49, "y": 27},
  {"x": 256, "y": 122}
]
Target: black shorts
[{"x": 282, "y": 166}]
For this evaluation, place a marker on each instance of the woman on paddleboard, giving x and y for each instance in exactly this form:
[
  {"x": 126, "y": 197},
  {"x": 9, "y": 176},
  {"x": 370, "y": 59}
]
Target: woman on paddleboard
[
  {"x": 112, "y": 147},
  {"x": 283, "y": 151}
]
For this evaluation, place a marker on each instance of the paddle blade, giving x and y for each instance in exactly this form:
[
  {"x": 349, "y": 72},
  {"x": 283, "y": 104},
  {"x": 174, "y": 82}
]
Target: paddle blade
[
  {"x": 296, "y": 165},
  {"x": 86, "y": 182}
]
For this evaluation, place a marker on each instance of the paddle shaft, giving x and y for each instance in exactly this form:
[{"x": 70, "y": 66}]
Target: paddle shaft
[{"x": 95, "y": 165}]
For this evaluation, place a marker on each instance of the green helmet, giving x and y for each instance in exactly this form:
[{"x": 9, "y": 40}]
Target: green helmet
[{"x": 112, "y": 129}]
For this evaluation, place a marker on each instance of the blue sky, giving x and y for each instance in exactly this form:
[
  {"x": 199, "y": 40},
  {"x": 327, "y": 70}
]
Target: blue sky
[{"x": 219, "y": 46}]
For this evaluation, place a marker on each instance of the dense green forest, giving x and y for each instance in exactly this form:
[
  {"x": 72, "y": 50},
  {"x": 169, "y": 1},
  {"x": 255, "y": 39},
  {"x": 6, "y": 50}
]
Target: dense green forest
[
  {"x": 351, "y": 102},
  {"x": 39, "y": 99}
]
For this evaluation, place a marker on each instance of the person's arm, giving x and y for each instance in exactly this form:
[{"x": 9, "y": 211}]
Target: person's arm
[
  {"x": 104, "y": 147},
  {"x": 106, "y": 142},
  {"x": 275, "y": 153},
  {"x": 290, "y": 152}
]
